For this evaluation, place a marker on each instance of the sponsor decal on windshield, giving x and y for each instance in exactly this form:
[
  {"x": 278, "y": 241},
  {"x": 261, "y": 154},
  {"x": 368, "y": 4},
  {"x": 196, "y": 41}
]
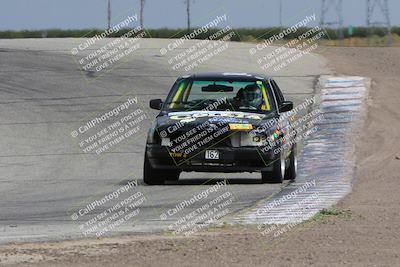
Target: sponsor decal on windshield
[{"x": 188, "y": 116}]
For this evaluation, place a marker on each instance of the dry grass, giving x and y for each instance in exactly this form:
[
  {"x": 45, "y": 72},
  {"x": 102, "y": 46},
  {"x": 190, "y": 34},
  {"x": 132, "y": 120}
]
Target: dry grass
[{"x": 365, "y": 42}]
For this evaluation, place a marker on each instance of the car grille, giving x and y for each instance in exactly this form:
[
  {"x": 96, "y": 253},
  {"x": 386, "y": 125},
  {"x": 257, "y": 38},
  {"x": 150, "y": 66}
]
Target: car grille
[{"x": 219, "y": 141}]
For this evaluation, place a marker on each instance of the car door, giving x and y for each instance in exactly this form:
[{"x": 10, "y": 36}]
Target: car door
[{"x": 286, "y": 125}]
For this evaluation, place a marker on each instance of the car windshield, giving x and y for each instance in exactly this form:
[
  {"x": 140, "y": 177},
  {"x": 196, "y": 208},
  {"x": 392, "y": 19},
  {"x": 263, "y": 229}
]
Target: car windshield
[{"x": 249, "y": 96}]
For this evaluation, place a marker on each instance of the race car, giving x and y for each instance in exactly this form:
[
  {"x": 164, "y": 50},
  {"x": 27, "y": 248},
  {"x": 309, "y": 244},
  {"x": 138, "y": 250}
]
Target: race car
[{"x": 221, "y": 122}]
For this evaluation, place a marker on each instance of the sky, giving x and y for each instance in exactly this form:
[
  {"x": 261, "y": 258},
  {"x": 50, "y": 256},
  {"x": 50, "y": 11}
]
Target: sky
[{"x": 83, "y": 14}]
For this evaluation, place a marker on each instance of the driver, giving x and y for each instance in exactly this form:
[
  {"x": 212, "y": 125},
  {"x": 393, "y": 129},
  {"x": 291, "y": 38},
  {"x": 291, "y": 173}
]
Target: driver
[{"x": 251, "y": 97}]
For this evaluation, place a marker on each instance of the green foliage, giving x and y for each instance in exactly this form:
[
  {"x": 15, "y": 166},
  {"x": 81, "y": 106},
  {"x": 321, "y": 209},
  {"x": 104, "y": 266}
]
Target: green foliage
[
  {"x": 242, "y": 34},
  {"x": 324, "y": 215}
]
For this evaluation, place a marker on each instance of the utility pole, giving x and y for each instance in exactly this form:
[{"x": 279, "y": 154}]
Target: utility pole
[
  {"x": 384, "y": 10},
  {"x": 337, "y": 6},
  {"x": 280, "y": 14},
  {"x": 109, "y": 15},
  {"x": 188, "y": 14},
  {"x": 141, "y": 12}
]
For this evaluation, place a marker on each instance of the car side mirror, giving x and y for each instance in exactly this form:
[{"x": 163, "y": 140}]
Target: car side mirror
[
  {"x": 156, "y": 104},
  {"x": 286, "y": 106}
]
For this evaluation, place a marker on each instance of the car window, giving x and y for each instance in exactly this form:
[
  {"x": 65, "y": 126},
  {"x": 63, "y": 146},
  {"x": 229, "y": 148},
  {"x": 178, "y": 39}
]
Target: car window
[
  {"x": 278, "y": 92},
  {"x": 236, "y": 95},
  {"x": 197, "y": 92}
]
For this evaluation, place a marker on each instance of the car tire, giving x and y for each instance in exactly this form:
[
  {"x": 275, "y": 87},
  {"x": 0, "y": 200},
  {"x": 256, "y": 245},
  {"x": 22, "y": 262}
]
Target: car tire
[
  {"x": 171, "y": 175},
  {"x": 278, "y": 171},
  {"x": 152, "y": 176},
  {"x": 291, "y": 172}
]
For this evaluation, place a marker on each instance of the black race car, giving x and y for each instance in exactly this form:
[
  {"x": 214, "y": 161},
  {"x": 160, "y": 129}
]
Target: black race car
[{"x": 221, "y": 122}]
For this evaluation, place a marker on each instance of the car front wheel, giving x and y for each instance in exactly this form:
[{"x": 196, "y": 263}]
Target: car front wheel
[
  {"x": 291, "y": 172},
  {"x": 153, "y": 176},
  {"x": 278, "y": 171}
]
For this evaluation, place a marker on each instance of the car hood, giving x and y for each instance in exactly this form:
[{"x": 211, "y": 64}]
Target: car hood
[{"x": 189, "y": 119}]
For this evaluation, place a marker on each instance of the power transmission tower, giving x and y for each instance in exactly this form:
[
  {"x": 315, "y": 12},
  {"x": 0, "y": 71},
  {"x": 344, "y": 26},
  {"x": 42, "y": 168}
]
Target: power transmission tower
[
  {"x": 109, "y": 15},
  {"x": 382, "y": 6},
  {"x": 337, "y": 7},
  {"x": 141, "y": 12}
]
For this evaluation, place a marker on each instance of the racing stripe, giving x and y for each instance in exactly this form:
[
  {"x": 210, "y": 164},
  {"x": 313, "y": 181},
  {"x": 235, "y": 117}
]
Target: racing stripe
[{"x": 264, "y": 92}]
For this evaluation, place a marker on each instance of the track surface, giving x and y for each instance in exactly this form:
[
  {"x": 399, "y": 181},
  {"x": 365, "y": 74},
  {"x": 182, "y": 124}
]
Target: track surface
[{"x": 44, "y": 95}]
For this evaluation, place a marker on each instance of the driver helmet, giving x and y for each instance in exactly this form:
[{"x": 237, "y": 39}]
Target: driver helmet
[{"x": 251, "y": 96}]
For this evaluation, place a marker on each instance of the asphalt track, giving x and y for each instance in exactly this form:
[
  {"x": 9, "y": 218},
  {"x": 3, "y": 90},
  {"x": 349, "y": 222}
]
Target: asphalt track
[{"x": 44, "y": 95}]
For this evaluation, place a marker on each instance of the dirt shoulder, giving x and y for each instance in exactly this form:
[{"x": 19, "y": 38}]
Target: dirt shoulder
[{"x": 368, "y": 236}]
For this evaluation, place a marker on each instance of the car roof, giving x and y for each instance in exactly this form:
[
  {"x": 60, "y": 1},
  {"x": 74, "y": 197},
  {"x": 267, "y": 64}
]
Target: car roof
[{"x": 227, "y": 76}]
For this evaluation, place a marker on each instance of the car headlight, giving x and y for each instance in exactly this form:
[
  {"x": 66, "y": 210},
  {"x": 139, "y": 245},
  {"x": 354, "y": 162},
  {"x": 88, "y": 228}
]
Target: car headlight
[
  {"x": 259, "y": 140},
  {"x": 246, "y": 139},
  {"x": 151, "y": 138}
]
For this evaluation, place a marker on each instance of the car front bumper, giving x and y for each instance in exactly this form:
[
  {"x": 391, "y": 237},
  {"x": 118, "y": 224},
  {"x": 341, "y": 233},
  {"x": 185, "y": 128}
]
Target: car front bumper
[{"x": 231, "y": 159}]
